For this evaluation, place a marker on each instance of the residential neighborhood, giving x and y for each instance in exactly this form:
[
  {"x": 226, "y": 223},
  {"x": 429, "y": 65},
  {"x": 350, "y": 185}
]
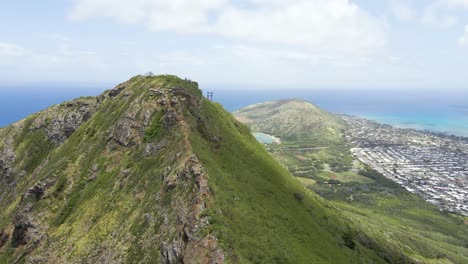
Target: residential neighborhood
[{"x": 434, "y": 166}]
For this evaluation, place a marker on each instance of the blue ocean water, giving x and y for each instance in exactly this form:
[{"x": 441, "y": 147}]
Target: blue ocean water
[
  {"x": 442, "y": 111},
  {"x": 18, "y": 102}
]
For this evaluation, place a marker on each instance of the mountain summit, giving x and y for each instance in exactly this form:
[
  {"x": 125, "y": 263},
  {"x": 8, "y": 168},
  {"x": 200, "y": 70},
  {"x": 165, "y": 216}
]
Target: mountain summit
[{"x": 152, "y": 172}]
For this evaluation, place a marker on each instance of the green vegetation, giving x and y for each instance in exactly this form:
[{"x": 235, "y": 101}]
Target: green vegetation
[
  {"x": 155, "y": 130},
  {"x": 275, "y": 118},
  {"x": 311, "y": 139},
  {"x": 257, "y": 202},
  {"x": 157, "y": 170},
  {"x": 396, "y": 220}
]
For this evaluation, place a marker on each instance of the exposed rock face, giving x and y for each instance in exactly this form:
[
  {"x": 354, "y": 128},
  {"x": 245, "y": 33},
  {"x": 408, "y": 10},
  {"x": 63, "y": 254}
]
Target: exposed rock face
[
  {"x": 117, "y": 90},
  {"x": 153, "y": 149},
  {"x": 189, "y": 247},
  {"x": 38, "y": 190},
  {"x": 172, "y": 253},
  {"x": 3, "y": 238},
  {"x": 126, "y": 133},
  {"x": 63, "y": 126},
  {"x": 26, "y": 231},
  {"x": 197, "y": 252},
  {"x": 164, "y": 210},
  {"x": 61, "y": 121},
  {"x": 7, "y": 159},
  {"x": 170, "y": 118}
]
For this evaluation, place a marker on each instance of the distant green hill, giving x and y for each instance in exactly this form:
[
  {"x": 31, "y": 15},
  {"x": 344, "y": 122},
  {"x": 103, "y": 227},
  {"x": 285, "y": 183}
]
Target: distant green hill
[
  {"x": 292, "y": 120},
  {"x": 311, "y": 138},
  {"x": 313, "y": 149},
  {"x": 151, "y": 172}
]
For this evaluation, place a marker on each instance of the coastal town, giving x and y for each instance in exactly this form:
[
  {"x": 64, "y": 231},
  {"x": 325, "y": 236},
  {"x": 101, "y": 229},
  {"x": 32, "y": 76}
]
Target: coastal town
[{"x": 432, "y": 165}]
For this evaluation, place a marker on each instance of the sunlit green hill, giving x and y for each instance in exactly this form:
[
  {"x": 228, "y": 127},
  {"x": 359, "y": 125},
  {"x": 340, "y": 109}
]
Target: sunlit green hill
[
  {"x": 313, "y": 149},
  {"x": 151, "y": 172},
  {"x": 292, "y": 120}
]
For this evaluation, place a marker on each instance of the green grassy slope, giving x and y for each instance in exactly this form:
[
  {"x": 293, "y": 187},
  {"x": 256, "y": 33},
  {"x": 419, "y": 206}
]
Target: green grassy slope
[
  {"x": 106, "y": 194},
  {"x": 292, "y": 120},
  {"x": 157, "y": 174},
  {"x": 262, "y": 214},
  {"x": 399, "y": 221},
  {"x": 404, "y": 220},
  {"x": 311, "y": 138}
]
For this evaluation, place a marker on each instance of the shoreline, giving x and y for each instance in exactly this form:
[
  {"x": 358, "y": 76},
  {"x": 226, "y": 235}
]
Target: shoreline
[{"x": 445, "y": 134}]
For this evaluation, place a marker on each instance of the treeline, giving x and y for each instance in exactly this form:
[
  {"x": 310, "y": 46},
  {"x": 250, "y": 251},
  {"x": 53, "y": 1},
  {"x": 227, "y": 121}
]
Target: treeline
[{"x": 378, "y": 178}]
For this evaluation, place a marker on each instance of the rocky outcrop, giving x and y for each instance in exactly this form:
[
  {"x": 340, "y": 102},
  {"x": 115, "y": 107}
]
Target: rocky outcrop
[
  {"x": 152, "y": 149},
  {"x": 172, "y": 253},
  {"x": 63, "y": 126},
  {"x": 189, "y": 246},
  {"x": 117, "y": 90},
  {"x": 25, "y": 230},
  {"x": 127, "y": 132},
  {"x": 161, "y": 220},
  {"x": 206, "y": 250},
  {"x": 4, "y": 236},
  {"x": 38, "y": 190},
  {"x": 61, "y": 121},
  {"x": 7, "y": 159}
]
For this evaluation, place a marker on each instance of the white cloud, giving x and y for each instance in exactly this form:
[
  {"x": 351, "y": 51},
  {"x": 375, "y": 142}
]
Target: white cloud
[
  {"x": 455, "y": 3},
  {"x": 402, "y": 10},
  {"x": 321, "y": 24},
  {"x": 290, "y": 57},
  {"x": 159, "y": 15},
  {"x": 62, "y": 54},
  {"x": 434, "y": 15},
  {"x": 334, "y": 25},
  {"x": 9, "y": 49},
  {"x": 438, "y": 12},
  {"x": 283, "y": 67},
  {"x": 463, "y": 41}
]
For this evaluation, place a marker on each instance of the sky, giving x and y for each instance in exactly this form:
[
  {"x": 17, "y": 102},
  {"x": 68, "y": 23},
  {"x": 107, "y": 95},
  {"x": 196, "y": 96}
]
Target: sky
[{"x": 386, "y": 44}]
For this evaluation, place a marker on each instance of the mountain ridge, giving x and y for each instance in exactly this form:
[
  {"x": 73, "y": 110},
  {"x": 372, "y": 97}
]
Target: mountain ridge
[
  {"x": 124, "y": 134},
  {"x": 150, "y": 171}
]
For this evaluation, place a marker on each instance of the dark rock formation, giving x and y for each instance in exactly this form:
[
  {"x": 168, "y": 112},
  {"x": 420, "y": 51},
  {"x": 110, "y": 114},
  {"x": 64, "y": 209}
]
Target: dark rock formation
[
  {"x": 7, "y": 159},
  {"x": 172, "y": 253},
  {"x": 64, "y": 125},
  {"x": 4, "y": 236},
  {"x": 189, "y": 246},
  {"x": 117, "y": 90},
  {"x": 25, "y": 230},
  {"x": 126, "y": 132},
  {"x": 61, "y": 121}
]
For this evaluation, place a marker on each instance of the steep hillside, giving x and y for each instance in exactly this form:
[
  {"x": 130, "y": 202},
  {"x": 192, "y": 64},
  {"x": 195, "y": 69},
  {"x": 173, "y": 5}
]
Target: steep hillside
[
  {"x": 311, "y": 139},
  {"x": 151, "y": 172},
  {"x": 384, "y": 211},
  {"x": 292, "y": 120}
]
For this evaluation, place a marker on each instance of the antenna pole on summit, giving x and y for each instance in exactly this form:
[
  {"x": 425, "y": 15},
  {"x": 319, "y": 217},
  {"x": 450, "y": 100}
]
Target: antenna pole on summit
[{"x": 209, "y": 96}]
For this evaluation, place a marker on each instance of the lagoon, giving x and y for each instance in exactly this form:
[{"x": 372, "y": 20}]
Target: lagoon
[{"x": 266, "y": 139}]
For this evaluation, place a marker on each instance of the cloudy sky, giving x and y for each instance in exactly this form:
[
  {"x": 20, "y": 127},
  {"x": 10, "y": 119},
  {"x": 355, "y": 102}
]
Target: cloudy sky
[{"x": 418, "y": 44}]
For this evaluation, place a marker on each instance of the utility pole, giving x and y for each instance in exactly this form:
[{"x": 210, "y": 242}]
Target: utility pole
[{"x": 209, "y": 96}]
